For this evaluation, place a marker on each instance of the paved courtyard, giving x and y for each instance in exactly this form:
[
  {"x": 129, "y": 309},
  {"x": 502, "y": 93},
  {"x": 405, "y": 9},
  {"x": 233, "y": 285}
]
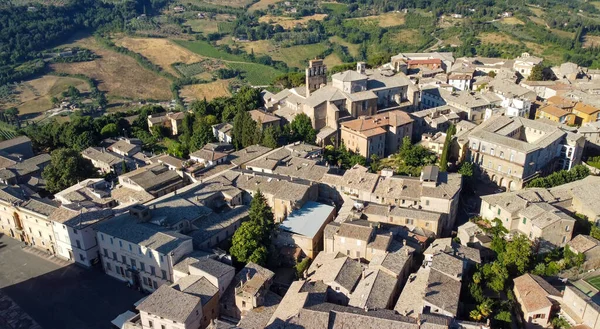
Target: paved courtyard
[{"x": 55, "y": 296}]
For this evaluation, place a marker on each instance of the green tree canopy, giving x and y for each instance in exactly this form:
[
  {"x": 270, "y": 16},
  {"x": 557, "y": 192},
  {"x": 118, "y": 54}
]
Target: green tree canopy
[
  {"x": 251, "y": 241},
  {"x": 202, "y": 135},
  {"x": 110, "y": 130},
  {"x": 66, "y": 168},
  {"x": 537, "y": 73},
  {"x": 301, "y": 129}
]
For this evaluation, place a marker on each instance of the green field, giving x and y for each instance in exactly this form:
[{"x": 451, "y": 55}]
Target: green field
[
  {"x": 256, "y": 74},
  {"x": 594, "y": 282},
  {"x": 336, "y": 8},
  {"x": 205, "y": 49}
]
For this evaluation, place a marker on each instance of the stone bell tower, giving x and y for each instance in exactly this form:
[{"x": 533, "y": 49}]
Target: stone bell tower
[{"x": 316, "y": 75}]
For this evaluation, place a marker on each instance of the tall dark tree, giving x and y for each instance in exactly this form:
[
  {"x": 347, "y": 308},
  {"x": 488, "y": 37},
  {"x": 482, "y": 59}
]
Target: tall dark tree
[
  {"x": 202, "y": 135},
  {"x": 444, "y": 158},
  {"x": 251, "y": 241}
]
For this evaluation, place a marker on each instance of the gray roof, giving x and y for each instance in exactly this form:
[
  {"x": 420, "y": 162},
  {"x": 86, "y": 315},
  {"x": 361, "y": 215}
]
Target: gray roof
[
  {"x": 498, "y": 129},
  {"x": 374, "y": 291},
  {"x": 307, "y": 220},
  {"x": 448, "y": 265},
  {"x": 332, "y": 316},
  {"x": 355, "y": 231},
  {"x": 395, "y": 262},
  {"x": 212, "y": 267},
  {"x": 258, "y": 317},
  {"x": 154, "y": 177},
  {"x": 284, "y": 189},
  {"x": 124, "y": 145},
  {"x": 80, "y": 217},
  {"x": 127, "y": 227},
  {"x": 251, "y": 269},
  {"x": 331, "y": 267},
  {"x": 31, "y": 165},
  {"x": 349, "y": 75},
  {"x": 443, "y": 291},
  {"x": 170, "y": 303},
  {"x": 43, "y": 207},
  {"x": 448, "y": 246},
  {"x": 197, "y": 286},
  {"x": 410, "y": 302},
  {"x": 14, "y": 141},
  {"x": 100, "y": 155},
  {"x": 247, "y": 154}
]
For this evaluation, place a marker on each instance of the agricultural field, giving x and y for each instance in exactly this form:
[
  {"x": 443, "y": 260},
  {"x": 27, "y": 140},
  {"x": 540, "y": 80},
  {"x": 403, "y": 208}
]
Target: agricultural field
[
  {"x": 296, "y": 56},
  {"x": 385, "y": 20},
  {"x": 161, "y": 52},
  {"x": 497, "y": 38},
  {"x": 538, "y": 11},
  {"x": 591, "y": 40},
  {"x": 563, "y": 34},
  {"x": 334, "y": 7},
  {"x": 409, "y": 36},
  {"x": 221, "y": 23},
  {"x": 352, "y": 48},
  {"x": 538, "y": 21},
  {"x": 205, "y": 49},
  {"x": 199, "y": 69},
  {"x": 453, "y": 41},
  {"x": 256, "y": 74},
  {"x": 263, "y": 4},
  {"x": 209, "y": 91},
  {"x": 290, "y": 22},
  {"x": 34, "y": 96},
  {"x": 511, "y": 21},
  {"x": 332, "y": 60},
  {"x": 117, "y": 74},
  {"x": 218, "y": 3}
]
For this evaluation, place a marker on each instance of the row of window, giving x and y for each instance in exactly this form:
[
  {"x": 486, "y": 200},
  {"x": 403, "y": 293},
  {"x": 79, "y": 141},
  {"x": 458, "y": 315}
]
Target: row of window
[
  {"x": 119, "y": 269},
  {"x": 133, "y": 263},
  {"x": 493, "y": 152},
  {"x": 130, "y": 246}
]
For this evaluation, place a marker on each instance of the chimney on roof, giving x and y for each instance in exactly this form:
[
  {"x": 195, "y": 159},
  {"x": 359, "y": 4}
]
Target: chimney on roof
[
  {"x": 248, "y": 276},
  {"x": 403, "y": 241},
  {"x": 361, "y": 67}
]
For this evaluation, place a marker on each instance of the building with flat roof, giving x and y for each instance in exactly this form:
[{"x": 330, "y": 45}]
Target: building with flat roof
[
  {"x": 156, "y": 180},
  {"x": 297, "y": 160},
  {"x": 303, "y": 228},
  {"x": 581, "y": 304}
]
